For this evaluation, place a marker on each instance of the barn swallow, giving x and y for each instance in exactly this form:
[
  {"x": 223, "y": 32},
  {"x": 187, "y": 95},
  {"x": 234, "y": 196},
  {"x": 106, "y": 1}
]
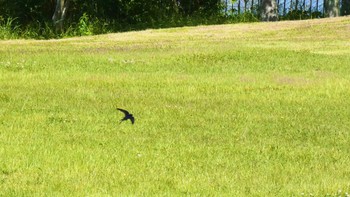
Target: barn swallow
[{"x": 127, "y": 116}]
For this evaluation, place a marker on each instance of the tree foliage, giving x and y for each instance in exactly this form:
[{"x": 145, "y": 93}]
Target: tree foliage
[
  {"x": 35, "y": 18},
  {"x": 27, "y": 11},
  {"x": 118, "y": 13},
  {"x": 345, "y": 9}
]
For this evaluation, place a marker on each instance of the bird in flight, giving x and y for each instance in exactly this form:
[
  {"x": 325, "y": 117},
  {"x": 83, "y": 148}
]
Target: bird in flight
[{"x": 127, "y": 116}]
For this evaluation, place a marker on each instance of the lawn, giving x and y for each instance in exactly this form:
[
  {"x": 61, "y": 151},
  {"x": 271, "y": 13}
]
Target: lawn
[{"x": 259, "y": 109}]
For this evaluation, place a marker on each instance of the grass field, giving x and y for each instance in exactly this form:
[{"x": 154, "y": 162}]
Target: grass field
[{"x": 258, "y": 109}]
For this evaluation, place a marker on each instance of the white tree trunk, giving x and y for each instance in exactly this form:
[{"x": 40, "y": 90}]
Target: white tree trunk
[
  {"x": 269, "y": 10},
  {"x": 60, "y": 14},
  {"x": 331, "y": 8}
]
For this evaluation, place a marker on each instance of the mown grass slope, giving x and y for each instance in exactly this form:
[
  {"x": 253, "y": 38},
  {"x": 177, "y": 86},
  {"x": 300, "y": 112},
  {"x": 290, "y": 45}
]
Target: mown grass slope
[{"x": 258, "y": 109}]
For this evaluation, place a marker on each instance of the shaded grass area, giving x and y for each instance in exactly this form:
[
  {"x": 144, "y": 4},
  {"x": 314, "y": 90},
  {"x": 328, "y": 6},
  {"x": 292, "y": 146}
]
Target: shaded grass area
[{"x": 250, "y": 109}]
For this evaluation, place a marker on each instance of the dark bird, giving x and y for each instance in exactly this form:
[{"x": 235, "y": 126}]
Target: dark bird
[{"x": 127, "y": 116}]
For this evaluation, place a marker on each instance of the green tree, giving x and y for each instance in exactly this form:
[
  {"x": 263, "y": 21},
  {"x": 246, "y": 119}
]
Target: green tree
[
  {"x": 26, "y": 11},
  {"x": 345, "y": 8},
  {"x": 114, "y": 14}
]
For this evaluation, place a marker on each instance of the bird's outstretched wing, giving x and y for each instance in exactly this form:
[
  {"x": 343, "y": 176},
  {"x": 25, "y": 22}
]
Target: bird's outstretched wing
[
  {"x": 132, "y": 119},
  {"x": 124, "y": 111}
]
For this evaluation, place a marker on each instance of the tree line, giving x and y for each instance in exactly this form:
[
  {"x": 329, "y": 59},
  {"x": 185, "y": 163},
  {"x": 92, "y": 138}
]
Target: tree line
[
  {"x": 49, "y": 18},
  {"x": 109, "y": 14},
  {"x": 299, "y": 9}
]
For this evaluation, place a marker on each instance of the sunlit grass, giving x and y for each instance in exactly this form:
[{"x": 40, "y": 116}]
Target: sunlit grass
[{"x": 235, "y": 110}]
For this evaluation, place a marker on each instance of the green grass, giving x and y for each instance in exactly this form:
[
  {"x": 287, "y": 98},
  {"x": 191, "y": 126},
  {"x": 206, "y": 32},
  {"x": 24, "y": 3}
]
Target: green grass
[{"x": 258, "y": 109}]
